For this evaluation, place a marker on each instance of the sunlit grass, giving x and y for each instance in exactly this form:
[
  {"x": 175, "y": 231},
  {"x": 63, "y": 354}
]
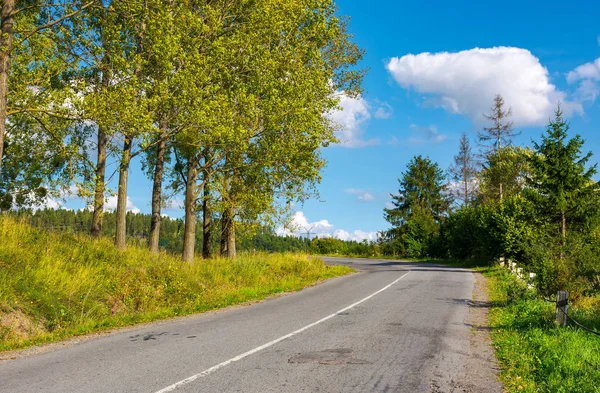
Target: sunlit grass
[
  {"x": 535, "y": 354},
  {"x": 53, "y": 286}
]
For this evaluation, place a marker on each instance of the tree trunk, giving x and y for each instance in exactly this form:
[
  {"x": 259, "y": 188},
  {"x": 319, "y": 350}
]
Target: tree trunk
[
  {"x": 159, "y": 170},
  {"x": 6, "y": 41},
  {"x": 191, "y": 194},
  {"x": 501, "y": 192},
  {"x": 100, "y": 184},
  {"x": 466, "y": 192},
  {"x": 207, "y": 220},
  {"x": 121, "y": 226},
  {"x": 223, "y": 240},
  {"x": 563, "y": 226},
  {"x": 228, "y": 249}
]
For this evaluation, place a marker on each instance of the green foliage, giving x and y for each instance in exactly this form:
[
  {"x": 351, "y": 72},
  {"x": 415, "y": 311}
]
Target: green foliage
[
  {"x": 561, "y": 187},
  {"x": 548, "y": 217},
  {"x": 508, "y": 167},
  {"x": 534, "y": 354},
  {"x": 486, "y": 232},
  {"x": 61, "y": 285},
  {"x": 419, "y": 208}
]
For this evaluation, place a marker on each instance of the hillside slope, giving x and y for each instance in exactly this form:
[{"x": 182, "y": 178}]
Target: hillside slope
[{"x": 54, "y": 286}]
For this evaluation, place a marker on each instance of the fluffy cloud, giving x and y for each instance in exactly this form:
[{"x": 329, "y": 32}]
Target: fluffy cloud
[
  {"x": 111, "y": 204},
  {"x": 425, "y": 134},
  {"x": 353, "y": 113},
  {"x": 363, "y": 196},
  {"x": 465, "y": 82},
  {"x": 357, "y": 235},
  {"x": 300, "y": 226},
  {"x": 588, "y": 77}
]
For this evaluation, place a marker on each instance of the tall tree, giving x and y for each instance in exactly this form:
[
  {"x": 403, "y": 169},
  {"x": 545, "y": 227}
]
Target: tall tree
[
  {"x": 464, "y": 171},
  {"x": 419, "y": 207},
  {"x": 38, "y": 115},
  {"x": 562, "y": 187},
  {"x": 285, "y": 65},
  {"x": 499, "y": 134},
  {"x": 6, "y": 47},
  {"x": 421, "y": 188},
  {"x": 35, "y": 26}
]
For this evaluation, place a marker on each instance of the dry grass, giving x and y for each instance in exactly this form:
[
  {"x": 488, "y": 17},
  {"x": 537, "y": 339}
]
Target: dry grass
[{"x": 54, "y": 286}]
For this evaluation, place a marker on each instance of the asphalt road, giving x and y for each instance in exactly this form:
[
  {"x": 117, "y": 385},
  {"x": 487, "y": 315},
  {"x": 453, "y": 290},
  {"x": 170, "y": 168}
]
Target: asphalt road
[{"x": 392, "y": 327}]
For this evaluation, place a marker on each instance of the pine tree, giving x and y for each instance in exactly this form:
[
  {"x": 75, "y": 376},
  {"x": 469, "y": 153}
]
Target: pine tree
[
  {"x": 500, "y": 134},
  {"x": 562, "y": 189},
  {"x": 464, "y": 172}
]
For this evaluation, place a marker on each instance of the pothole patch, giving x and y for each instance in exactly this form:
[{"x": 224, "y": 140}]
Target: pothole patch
[{"x": 332, "y": 357}]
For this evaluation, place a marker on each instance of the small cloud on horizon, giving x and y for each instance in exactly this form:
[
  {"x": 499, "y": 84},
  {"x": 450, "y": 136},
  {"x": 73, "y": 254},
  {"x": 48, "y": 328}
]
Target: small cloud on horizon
[
  {"x": 301, "y": 226},
  {"x": 361, "y": 195}
]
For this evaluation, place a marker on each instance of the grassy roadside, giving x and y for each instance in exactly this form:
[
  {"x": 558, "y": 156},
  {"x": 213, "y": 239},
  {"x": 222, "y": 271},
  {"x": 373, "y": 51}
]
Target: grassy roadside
[
  {"x": 56, "y": 286},
  {"x": 534, "y": 354}
]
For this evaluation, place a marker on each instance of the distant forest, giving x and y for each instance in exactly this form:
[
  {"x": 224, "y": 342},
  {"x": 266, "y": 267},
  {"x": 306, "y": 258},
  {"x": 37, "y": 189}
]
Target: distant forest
[{"x": 263, "y": 239}]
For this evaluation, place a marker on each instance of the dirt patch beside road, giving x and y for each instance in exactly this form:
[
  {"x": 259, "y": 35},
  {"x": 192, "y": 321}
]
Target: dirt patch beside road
[{"x": 482, "y": 367}]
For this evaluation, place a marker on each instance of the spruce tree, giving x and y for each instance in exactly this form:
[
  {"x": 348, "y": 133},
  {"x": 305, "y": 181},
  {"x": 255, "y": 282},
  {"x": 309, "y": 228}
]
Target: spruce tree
[
  {"x": 562, "y": 188},
  {"x": 419, "y": 207},
  {"x": 464, "y": 171}
]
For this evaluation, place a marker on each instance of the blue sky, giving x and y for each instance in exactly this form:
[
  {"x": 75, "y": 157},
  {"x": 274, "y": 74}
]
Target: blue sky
[{"x": 434, "y": 68}]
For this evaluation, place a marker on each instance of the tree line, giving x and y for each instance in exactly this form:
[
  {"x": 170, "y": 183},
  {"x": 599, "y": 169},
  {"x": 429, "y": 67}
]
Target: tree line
[
  {"x": 537, "y": 204},
  {"x": 249, "y": 239},
  {"x": 224, "y": 101}
]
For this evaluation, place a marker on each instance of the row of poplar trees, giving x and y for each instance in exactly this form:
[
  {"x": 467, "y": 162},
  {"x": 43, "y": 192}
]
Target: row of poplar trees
[{"x": 223, "y": 100}]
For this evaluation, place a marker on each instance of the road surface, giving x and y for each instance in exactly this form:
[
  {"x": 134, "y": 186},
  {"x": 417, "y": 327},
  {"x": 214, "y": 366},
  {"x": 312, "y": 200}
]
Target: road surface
[{"x": 392, "y": 327}]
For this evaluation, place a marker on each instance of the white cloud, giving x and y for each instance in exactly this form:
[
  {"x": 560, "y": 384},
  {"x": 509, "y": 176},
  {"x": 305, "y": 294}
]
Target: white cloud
[
  {"x": 588, "y": 77},
  {"x": 361, "y": 195},
  {"x": 385, "y": 111},
  {"x": 357, "y": 235},
  {"x": 349, "y": 119},
  {"x": 48, "y": 203},
  {"x": 111, "y": 204},
  {"x": 300, "y": 226},
  {"x": 466, "y": 82},
  {"x": 425, "y": 134}
]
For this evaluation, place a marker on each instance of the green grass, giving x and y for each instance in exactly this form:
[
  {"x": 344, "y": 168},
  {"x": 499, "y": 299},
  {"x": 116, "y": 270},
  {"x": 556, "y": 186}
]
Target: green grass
[
  {"x": 535, "y": 355},
  {"x": 55, "y": 286}
]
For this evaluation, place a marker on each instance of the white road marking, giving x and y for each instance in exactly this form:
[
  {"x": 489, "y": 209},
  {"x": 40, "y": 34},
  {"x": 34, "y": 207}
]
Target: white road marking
[{"x": 271, "y": 343}]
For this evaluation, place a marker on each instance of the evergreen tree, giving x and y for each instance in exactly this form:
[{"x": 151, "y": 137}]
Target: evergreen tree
[
  {"x": 499, "y": 135},
  {"x": 562, "y": 188},
  {"x": 419, "y": 207},
  {"x": 464, "y": 172}
]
